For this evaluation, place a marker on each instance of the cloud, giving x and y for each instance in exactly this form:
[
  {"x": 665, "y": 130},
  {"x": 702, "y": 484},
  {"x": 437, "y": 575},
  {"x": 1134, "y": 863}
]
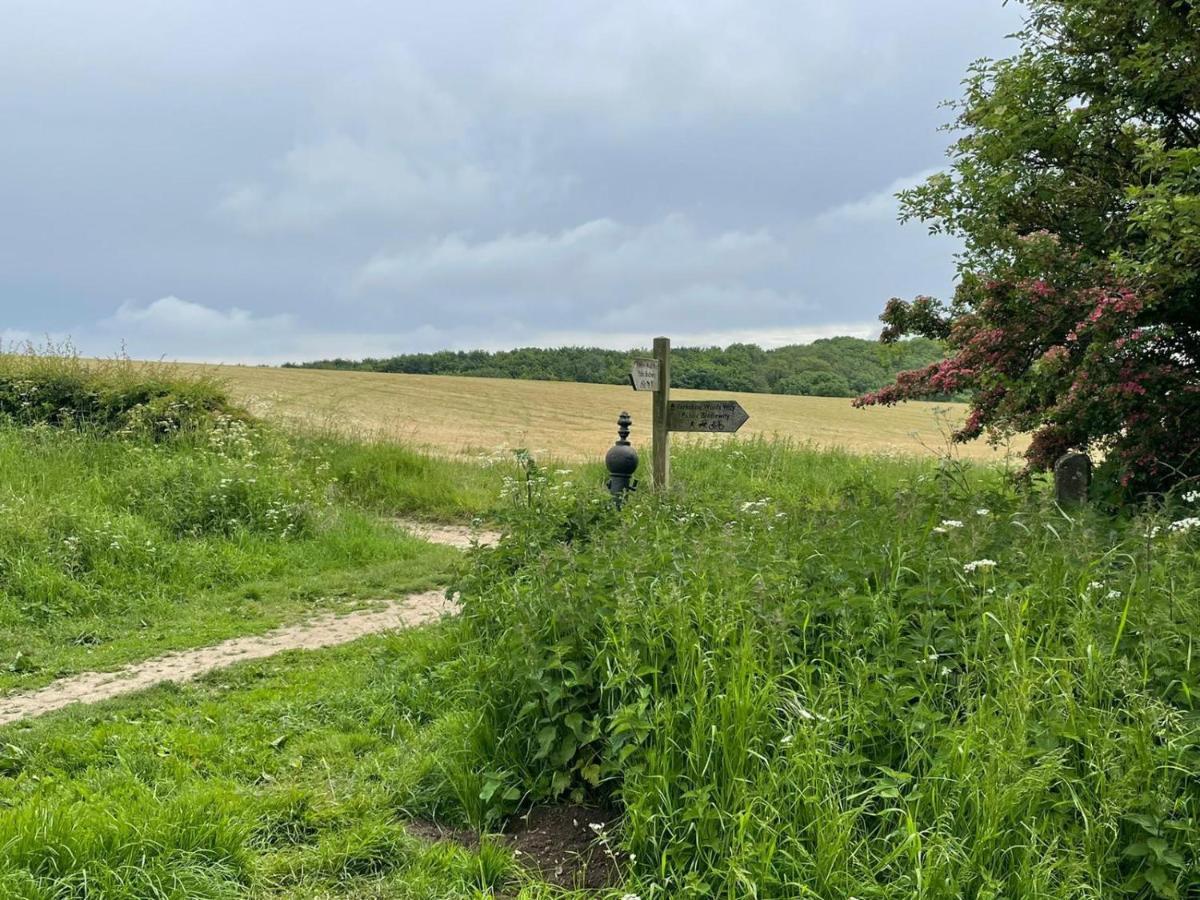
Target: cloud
[
  {"x": 396, "y": 141},
  {"x": 172, "y": 316},
  {"x": 175, "y": 329},
  {"x": 183, "y": 329},
  {"x": 16, "y": 339},
  {"x": 634, "y": 63},
  {"x": 601, "y": 272},
  {"x": 765, "y": 337},
  {"x": 377, "y": 177},
  {"x": 879, "y": 207},
  {"x": 339, "y": 176},
  {"x": 385, "y": 141}
]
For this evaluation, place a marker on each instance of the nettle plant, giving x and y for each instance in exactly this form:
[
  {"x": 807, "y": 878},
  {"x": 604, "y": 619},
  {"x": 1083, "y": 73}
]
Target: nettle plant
[{"x": 1076, "y": 189}]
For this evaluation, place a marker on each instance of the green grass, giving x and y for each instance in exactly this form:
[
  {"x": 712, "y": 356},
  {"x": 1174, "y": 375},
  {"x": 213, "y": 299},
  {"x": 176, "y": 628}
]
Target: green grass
[
  {"x": 394, "y": 480},
  {"x": 800, "y": 674},
  {"x": 292, "y": 777},
  {"x": 115, "y": 548}
]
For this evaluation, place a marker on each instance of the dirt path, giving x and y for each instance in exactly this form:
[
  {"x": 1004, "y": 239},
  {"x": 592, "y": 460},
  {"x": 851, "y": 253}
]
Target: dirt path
[
  {"x": 460, "y": 536},
  {"x": 184, "y": 665}
]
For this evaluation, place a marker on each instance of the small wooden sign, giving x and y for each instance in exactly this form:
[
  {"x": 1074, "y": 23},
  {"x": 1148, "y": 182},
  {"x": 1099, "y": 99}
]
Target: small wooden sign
[
  {"x": 724, "y": 416},
  {"x": 643, "y": 374}
]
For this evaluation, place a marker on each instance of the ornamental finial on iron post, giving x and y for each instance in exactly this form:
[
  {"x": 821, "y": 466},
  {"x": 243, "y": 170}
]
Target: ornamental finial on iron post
[{"x": 621, "y": 461}]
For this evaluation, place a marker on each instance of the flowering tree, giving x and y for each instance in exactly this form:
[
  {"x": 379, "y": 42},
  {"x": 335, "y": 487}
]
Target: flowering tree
[{"x": 1075, "y": 186}]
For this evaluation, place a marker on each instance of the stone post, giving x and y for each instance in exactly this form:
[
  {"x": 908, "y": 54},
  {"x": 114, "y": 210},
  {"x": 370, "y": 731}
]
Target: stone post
[{"x": 1072, "y": 475}]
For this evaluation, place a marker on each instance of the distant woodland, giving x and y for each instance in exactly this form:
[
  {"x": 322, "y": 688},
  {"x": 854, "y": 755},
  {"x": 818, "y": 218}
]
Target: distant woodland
[{"x": 830, "y": 367}]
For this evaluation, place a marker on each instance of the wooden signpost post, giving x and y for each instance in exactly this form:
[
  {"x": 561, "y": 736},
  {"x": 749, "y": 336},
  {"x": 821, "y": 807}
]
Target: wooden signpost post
[{"x": 725, "y": 416}]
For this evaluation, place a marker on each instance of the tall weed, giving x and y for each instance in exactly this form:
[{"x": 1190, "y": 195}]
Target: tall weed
[{"x": 807, "y": 674}]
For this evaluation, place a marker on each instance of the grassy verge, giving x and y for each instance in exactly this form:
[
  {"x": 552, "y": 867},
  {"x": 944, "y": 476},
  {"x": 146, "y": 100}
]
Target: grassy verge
[
  {"x": 117, "y": 549},
  {"x": 139, "y": 513},
  {"x": 292, "y": 777},
  {"x": 813, "y": 675},
  {"x": 800, "y": 674},
  {"x": 394, "y": 480}
]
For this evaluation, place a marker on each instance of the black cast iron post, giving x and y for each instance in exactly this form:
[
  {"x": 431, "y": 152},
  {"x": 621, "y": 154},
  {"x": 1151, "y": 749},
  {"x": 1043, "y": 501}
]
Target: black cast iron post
[{"x": 621, "y": 462}]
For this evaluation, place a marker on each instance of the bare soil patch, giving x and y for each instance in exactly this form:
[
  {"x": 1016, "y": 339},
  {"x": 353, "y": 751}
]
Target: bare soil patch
[
  {"x": 460, "y": 536},
  {"x": 572, "y": 847},
  {"x": 569, "y": 846}
]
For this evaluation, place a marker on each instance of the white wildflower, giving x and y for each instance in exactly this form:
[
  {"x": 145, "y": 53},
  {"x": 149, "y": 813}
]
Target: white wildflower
[
  {"x": 952, "y": 523},
  {"x": 977, "y": 564},
  {"x": 983, "y": 511},
  {"x": 1184, "y": 525},
  {"x": 1191, "y": 496}
]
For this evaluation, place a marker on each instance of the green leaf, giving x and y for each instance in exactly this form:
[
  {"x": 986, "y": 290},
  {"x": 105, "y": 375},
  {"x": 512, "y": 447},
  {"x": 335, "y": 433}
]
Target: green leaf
[
  {"x": 574, "y": 721},
  {"x": 545, "y": 738},
  {"x": 559, "y": 783},
  {"x": 566, "y": 750}
]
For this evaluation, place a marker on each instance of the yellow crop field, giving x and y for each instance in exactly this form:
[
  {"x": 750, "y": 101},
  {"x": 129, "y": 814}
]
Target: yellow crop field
[{"x": 457, "y": 415}]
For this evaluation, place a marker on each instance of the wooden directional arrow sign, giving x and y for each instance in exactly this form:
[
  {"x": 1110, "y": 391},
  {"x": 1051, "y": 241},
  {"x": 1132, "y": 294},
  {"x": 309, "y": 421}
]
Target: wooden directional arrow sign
[
  {"x": 643, "y": 375},
  {"x": 725, "y": 416}
]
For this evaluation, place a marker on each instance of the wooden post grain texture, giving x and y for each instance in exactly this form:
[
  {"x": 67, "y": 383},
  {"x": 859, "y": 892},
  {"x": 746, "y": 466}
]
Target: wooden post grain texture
[{"x": 661, "y": 412}]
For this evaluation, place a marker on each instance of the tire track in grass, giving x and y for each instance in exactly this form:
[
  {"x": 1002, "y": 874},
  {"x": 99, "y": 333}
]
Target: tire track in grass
[{"x": 185, "y": 665}]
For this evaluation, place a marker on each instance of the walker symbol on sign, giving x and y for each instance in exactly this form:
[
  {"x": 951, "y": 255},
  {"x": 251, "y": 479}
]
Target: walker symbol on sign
[{"x": 724, "y": 416}]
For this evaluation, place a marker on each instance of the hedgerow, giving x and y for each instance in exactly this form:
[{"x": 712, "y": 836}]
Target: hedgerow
[{"x": 54, "y": 386}]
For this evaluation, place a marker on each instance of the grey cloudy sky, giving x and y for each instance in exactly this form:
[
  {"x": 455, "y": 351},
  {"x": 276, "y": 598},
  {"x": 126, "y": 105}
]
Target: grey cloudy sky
[{"x": 283, "y": 180}]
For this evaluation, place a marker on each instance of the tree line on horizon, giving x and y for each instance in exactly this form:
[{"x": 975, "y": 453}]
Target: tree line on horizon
[{"x": 829, "y": 367}]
